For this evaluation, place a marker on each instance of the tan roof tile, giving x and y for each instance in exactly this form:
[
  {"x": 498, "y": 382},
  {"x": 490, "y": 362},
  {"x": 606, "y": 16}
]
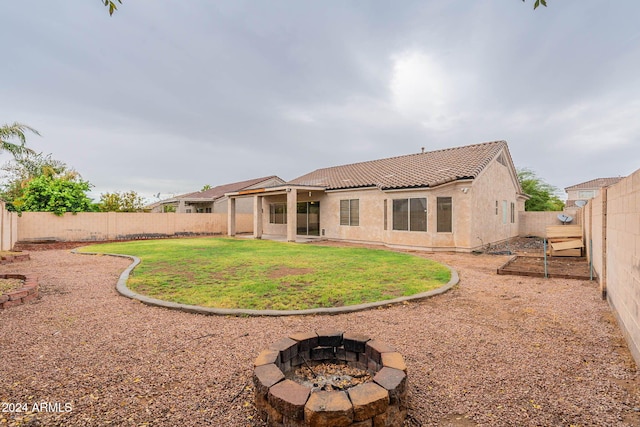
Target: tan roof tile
[
  {"x": 426, "y": 169},
  {"x": 595, "y": 184},
  {"x": 220, "y": 190}
]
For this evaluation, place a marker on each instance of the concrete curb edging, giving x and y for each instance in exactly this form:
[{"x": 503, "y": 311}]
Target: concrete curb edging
[{"x": 122, "y": 288}]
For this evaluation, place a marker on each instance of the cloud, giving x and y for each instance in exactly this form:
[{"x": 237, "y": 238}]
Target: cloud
[
  {"x": 419, "y": 87},
  {"x": 425, "y": 89},
  {"x": 168, "y": 97},
  {"x": 599, "y": 125}
]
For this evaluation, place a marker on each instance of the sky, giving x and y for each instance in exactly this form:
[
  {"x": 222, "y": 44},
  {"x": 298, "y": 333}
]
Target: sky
[{"x": 165, "y": 97}]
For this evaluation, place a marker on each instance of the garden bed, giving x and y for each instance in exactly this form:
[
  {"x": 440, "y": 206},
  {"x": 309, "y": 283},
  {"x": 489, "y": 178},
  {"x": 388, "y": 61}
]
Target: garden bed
[
  {"x": 17, "y": 289},
  {"x": 561, "y": 267}
]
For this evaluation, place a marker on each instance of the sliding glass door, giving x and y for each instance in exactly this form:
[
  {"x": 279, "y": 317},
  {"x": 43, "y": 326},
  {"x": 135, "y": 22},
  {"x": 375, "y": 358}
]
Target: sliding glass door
[{"x": 308, "y": 218}]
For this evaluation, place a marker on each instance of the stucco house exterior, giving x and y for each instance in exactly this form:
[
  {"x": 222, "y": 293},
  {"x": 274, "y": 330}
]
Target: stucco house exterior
[
  {"x": 214, "y": 200},
  {"x": 587, "y": 190},
  {"x": 455, "y": 199}
]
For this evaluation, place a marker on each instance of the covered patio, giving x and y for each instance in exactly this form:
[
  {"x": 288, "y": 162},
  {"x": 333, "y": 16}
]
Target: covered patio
[{"x": 294, "y": 211}]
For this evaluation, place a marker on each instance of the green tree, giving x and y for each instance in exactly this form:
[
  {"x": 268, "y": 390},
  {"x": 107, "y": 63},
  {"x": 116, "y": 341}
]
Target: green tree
[
  {"x": 12, "y": 132},
  {"x": 206, "y": 187},
  {"x": 56, "y": 194},
  {"x": 23, "y": 168},
  {"x": 542, "y": 195},
  {"x": 128, "y": 201},
  {"x": 538, "y": 3}
]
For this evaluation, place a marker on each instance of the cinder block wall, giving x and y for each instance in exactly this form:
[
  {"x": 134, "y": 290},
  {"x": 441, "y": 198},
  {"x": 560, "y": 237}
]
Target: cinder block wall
[
  {"x": 535, "y": 223},
  {"x": 97, "y": 226},
  {"x": 614, "y": 219}
]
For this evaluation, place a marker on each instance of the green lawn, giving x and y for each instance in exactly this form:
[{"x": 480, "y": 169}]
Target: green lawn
[{"x": 260, "y": 274}]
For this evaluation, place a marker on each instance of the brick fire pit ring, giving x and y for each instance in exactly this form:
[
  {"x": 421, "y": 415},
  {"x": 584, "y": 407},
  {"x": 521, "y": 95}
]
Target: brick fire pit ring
[{"x": 283, "y": 402}]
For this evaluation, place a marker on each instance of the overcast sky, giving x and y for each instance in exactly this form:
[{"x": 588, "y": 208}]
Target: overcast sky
[{"x": 167, "y": 96}]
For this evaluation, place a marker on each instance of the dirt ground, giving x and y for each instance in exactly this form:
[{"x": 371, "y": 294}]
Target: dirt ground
[
  {"x": 565, "y": 267},
  {"x": 494, "y": 351}
]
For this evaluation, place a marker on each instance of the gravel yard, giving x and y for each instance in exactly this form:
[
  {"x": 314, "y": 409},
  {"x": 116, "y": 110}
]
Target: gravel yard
[{"x": 494, "y": 351}]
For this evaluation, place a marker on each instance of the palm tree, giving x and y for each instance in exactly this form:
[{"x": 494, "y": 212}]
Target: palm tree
[{"x": 16, "y": 130}]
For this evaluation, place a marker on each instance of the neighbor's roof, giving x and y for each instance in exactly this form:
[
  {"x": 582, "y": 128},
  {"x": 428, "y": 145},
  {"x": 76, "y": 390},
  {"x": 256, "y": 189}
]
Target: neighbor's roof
[
  {"x": 595, "y": 183},
  {"x": 220, "y": 190},
  {"x": 426, "y": 169}
]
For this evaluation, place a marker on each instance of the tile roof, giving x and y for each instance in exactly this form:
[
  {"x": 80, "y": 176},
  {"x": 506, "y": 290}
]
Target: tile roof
[
  {"x": 426, "y": 169},
  {"x": 595, "y": 183},
  {"x": 220, "y": 190}
]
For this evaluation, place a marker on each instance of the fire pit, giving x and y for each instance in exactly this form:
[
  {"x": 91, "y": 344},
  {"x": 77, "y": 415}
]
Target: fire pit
[{"x": 330, "y": 378}]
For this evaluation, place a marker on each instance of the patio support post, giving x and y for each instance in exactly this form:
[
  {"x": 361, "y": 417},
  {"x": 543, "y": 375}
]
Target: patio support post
[
  {"x": 292, "y": 209},
  {"x": 257, "y": 217},
  {"x": 231, "y": 217}
]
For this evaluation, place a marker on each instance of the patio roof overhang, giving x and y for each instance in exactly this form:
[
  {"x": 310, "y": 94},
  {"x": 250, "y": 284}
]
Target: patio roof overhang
[
  {"x": 273, "y": 191},
  {"x": 197, "y": 199}
]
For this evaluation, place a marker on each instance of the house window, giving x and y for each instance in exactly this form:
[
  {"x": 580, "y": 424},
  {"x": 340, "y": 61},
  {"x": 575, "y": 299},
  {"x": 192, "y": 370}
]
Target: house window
[
  {"x": 410, "y": 214},
  {"x": 278, "y": 213},
  {"x": 586, "y": 194},
  {"x": 384, "y": 215},
  {"x": 513, "y": 213},
  {"x": 207, "y": 210},
  {"x": 496, "y": 207},
  {"x": 350, "y": 212},
  {"x": 504, "y": 211},
  {"x": 443, "y": 211}
]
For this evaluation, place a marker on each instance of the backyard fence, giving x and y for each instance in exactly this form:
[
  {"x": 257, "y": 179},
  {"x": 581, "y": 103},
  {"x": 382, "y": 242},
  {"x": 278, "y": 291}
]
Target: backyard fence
[
  {"x": 612, "y": 226},
  {"x": 101, "y": 226},
  {"x": 536, "y": 223}
]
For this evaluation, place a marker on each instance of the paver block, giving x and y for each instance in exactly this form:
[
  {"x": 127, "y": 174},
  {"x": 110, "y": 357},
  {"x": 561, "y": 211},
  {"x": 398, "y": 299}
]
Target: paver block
[
  {"x": 347, "y": 356},
  {"x": 9, "y": 304},
  {"x": 393, "y": 360},
  {"x": 266, "y": 411},
  {"x": 287, "y": 348},
  {"x": 374, "y": 348},
  {"x": 330, "y": 338},
  {"x": 322, "y": 353},
  {"x": 394, "y": 417},
  {"x": 394, "y": 381},
  {"x": 355, "y": 342},
  {"x": 16, "y": 295},
  {"x": 265, "y": 376},
  {"x": 328, "y": 409},
  {"x": 373, "y": 367},
  {"x": 369, "y": 400},
  {"x": 289, "y": 398},
  {"x": 306, "y": 340},
  {"x": 266, "y": 357},
  {"x": 363, "y": 362},
  {"x": 301, "y": 358}
]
